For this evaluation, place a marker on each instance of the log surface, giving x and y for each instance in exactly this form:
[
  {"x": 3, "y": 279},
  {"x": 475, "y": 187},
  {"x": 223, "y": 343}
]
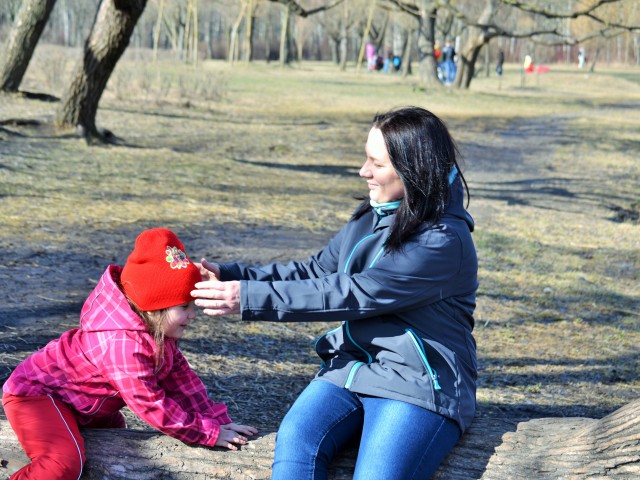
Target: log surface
[{"x": 491, "y": 449}]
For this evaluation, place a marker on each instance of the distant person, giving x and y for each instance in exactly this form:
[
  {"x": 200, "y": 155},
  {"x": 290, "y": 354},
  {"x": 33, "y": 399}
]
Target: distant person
[
  {"x": 528, "y": 64},
  {"x": 581, "y": 58},
  {"x": 398, "y": 372},
  {"x": 388, "y": 63},
  {"x": 397, "y": 63},
  {"x": 370, "y": 50},
  {"x": 499, "y": 63},
  {"x": 448, "y": 63},
  {"x": 437, "y": 54},
  {"x": 125, "y": 352},
  {"x": 379, "y": 62}
]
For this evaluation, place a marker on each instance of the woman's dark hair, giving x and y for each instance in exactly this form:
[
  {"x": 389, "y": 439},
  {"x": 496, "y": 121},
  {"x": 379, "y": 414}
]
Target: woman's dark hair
[{"x": 423, "y": 153}]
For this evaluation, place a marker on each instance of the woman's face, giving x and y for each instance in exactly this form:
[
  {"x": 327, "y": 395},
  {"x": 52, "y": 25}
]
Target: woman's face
[
  {"x": 177, "y": 319},
  {"x": 383, "y": 181}
]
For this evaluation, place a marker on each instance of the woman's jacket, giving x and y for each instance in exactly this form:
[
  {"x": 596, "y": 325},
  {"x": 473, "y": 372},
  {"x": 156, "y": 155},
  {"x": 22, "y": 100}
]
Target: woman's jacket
[{"x": 406, "y": 317}]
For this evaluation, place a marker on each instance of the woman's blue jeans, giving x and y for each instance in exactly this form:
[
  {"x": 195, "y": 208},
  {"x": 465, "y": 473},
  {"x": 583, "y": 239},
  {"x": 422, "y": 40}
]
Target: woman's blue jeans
[{"x": 398, "y": 440}]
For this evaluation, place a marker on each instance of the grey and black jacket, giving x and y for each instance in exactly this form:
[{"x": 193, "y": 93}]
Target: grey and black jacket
[{"x": 407, "y": 317}]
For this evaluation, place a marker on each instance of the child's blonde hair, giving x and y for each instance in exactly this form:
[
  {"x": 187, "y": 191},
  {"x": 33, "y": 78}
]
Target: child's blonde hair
[{"x": 154, "y": 321}]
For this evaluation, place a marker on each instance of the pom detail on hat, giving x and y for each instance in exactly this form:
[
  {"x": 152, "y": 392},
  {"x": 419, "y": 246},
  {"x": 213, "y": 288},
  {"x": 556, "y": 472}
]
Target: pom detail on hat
[{"x": 158, "y": 273}]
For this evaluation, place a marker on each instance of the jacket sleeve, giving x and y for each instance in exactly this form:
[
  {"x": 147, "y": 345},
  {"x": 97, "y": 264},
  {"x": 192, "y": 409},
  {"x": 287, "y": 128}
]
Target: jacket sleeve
[
  {"x": 185, "y": 387},
  {"x": 325, "y": 262},
  {"x": 426, "y": 271},
  {"x": 129, "y": 366}
]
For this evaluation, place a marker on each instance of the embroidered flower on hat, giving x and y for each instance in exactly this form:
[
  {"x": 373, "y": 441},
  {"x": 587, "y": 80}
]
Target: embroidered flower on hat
[{"x": 176, "y": 257}]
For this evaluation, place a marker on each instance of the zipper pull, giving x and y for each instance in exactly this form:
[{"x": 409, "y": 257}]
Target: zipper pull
[{"x": 434, "y": 377}]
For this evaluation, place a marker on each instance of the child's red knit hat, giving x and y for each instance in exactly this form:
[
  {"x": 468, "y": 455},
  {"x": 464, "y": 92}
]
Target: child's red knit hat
[{"x": 158, "y": 274}]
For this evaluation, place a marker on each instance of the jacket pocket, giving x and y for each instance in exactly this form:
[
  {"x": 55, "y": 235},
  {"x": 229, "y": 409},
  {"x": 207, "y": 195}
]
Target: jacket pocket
[
  {"x": 326, "y": 345},
  {"x": 417, "y": 343},
  {"x": 352, "y": 373}
]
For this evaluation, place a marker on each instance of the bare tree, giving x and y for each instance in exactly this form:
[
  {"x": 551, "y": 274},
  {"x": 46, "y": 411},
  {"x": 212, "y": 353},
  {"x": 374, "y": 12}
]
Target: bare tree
[
  {"x": 547, "y": 32},
  {"x": 109, "y": 37},
  {"x": 426, "y": 13},
  {"x": 30, "y": 21},
  {"x": 293, "y": 7}
]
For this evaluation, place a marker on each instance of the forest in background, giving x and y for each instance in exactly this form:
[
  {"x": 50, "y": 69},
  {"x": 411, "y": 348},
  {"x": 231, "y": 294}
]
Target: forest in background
[{"x": 253, "y": 29}]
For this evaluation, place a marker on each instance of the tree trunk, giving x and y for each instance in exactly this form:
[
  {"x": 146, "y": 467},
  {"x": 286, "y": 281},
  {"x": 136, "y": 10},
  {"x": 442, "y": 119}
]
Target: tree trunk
[
  {"x": 157, "y": 30},
  {"x": 284, "y": 35},
  {"x": 406, "y": 55},
  {"x": 427, "y": 66},
  {"x": 467, "y": 64},
  {"x": 365, "y": 36},
  {"x": 478, "y": 37},
  {"x": 233, "y": 42},
  {"x": 31, "y": 20},
  {"x": 108, "y": 39},
  {"x": 491, "y": 449},
  {"x": 250, "y": 30},
  {"x": 571, "y": 448}
]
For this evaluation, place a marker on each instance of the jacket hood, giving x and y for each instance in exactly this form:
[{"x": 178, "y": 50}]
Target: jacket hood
[
  {"x": 455, "y": 207},
  {"x": 107, "y": 308}
]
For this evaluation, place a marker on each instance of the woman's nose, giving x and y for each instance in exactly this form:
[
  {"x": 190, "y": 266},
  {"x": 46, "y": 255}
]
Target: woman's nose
[{"x": 364, "y": 171}]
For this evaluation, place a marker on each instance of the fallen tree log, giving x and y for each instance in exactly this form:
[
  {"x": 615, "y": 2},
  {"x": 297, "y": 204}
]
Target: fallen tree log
[{"x": 492, "y": 449}]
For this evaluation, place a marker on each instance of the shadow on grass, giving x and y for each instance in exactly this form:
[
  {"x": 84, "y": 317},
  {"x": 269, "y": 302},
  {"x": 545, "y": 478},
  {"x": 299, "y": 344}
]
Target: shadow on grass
[{"x": 343, "y": 170}]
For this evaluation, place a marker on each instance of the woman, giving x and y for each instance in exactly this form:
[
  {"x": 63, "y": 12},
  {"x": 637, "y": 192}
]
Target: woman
[{"x": 399, "y": 373}]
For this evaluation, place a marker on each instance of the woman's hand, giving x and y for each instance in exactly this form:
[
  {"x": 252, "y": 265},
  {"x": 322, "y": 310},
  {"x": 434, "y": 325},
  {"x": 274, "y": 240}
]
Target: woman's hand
[
  {"x": 232, "y": 434},
  {"x": 208, "y": 270},
  {"x": 214, "y": 296}
]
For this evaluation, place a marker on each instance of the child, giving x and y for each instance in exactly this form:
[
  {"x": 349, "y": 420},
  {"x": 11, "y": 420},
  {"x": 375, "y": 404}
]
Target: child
[{"x": 124, "y": 353}]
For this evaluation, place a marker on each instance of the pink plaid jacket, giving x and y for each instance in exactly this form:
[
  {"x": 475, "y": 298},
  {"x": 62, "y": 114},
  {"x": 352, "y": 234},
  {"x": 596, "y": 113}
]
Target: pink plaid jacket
[{"x": 109, "y": 362}]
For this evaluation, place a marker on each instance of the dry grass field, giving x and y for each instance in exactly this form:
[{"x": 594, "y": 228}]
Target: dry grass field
[{"x": 259, "y": 164}]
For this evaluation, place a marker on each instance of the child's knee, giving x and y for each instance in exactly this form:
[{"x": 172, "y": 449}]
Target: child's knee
[
  {"x": 65, "y": 467},
  {"x": 53, "y": 467}
]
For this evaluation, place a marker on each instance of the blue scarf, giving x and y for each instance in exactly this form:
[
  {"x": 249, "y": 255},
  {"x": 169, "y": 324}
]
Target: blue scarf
[{"x": 386, "y": 208}]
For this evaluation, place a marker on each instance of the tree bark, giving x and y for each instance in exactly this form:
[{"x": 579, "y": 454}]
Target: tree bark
[
  {"x": 284, "y": 36},
  {"x": 427, "y": 66},
  {"x": 250, "y": 30},
  {"x": 108, "y": 39},
  {"x": 30, "y": 21},
  {"x": 478, "y": 37},
  {"x": 233, "y": 41},
  {"x": 491, "y": 449}
]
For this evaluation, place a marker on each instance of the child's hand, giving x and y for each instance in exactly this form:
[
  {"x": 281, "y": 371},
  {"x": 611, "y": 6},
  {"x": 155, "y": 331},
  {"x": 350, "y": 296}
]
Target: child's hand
[
  {"x": 246, "y": 429},
  {"x": 230, "y": 435}
]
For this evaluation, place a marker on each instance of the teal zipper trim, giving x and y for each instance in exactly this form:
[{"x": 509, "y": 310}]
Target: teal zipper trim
[
  {"x": 375, "y": 259},
  {"x": 315, "y": 345},
  {"x": 346, "y": 265},
  {"x": 432, "y": 373},
  {"x": 346, "y": 327},
  {"x": 352, "y": 374}
]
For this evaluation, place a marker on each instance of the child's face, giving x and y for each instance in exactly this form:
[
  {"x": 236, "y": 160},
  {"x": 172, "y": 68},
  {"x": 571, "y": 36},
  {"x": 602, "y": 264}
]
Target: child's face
[{"x": 177, "y": 319}]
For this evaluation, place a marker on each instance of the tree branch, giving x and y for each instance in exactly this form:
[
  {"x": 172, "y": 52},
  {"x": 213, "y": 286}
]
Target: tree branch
[
  {"x": 588, "y": 12},
  {"x": 525, "y": 7},
  {"x": 302, "y": 12}
]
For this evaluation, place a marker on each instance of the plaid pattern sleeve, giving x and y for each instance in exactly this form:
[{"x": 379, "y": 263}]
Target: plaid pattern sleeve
[
  {"x": 185, "y": 387},
  {"x": 129, "y": 364}
]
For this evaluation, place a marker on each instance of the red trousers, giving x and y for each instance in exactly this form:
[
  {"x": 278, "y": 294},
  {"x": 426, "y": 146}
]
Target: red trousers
[{"x": 48, "y": 431}]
